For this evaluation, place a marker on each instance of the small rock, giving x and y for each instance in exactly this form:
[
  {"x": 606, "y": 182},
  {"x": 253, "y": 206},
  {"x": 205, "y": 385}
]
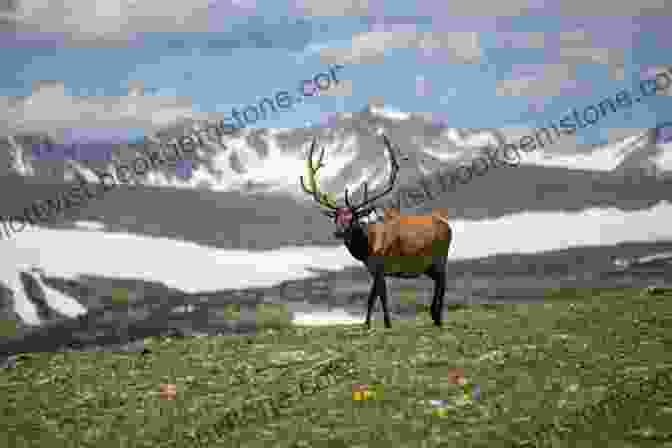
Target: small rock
[
  {"x": 321, "y": 283},
  {"x": 177, "y": 333},
  {"x": 183, "y": 309}
]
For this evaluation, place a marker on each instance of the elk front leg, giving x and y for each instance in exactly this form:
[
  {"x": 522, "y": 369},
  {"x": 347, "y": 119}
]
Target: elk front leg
[
  {"x": 382, "y": 293},
  {"x": 372, "y": 298}
]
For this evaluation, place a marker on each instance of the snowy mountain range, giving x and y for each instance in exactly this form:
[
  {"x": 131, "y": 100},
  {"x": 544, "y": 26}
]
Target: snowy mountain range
[{"x": 250, "y": 160}]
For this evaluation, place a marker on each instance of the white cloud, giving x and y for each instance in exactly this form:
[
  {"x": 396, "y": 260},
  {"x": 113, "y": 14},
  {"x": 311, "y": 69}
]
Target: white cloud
[
  {"x": 548, "y": 80},
  {"x": 370, "y": 47},
  {"x": 35, "y": 113},
  {"x": 113, "y": 20},
  {"x": 332, "y": 8},
  {"x": 574, "y": 47},
  {"x": 107, "y": 16},
  {"x": 651, "y": 72},
  {"x": 607, "y": 56},
  {"x": 606, "y": 7},
  {"x": 577, "y": 47},
  {"x": 617, "y": 73},
  {"x": 117, "y": 19},
  {"x": 342, "y": 89},
  {"x": 472, "y": 8},
  {"x": 517, "y": 39}
]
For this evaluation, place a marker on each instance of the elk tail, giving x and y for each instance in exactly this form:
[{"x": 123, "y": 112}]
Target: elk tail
[{"x": 441, "y": 214}]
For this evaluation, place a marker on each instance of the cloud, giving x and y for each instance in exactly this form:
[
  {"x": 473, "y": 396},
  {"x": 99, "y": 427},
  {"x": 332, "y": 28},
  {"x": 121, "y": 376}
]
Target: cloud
[
  {"x": 516, "y": 39},
  {"x": 578, "y": 45},
  {"x": 570, "y": 47},
  {"x": 367, "y": 48},
  {"x": 578, "y": 55},
  {"x": 342, "y": 89},
  {"x": 420, "y": 7},
  {"x": 376, "y": 101},
  {"x": 109, "y": 18},
  {"x": 650, "y": 73},
  {"x": 538, "y": 80},
  {"x": 340, "y": 8},
  {"x": 35, "y": 113},
  {"x": 111, "y": 22},
  {"x": 450, "y": 46},
  {"x": 504, "y": 8},
  {"x": 370, "y": 47},
  {"x": 639, "y": 8},
  {"x": 617, "y": 74}
]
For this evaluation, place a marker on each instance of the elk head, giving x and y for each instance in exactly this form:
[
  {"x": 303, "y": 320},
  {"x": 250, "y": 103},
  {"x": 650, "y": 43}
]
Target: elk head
[{"x": 346, "y": 217}]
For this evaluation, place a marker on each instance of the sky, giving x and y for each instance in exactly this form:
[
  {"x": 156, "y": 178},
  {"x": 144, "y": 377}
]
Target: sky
[{"x": 205, "y": 57}]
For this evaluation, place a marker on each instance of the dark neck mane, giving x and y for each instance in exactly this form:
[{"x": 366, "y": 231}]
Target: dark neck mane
[{"x": 358, "y": 242}]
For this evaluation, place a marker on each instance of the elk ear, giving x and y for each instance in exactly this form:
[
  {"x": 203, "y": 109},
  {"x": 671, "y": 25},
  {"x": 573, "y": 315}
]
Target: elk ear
[{"x": 365, "y": 212}]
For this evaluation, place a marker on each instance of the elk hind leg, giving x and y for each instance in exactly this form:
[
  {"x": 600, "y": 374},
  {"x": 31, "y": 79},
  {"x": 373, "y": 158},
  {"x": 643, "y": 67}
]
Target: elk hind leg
[
  {"x": 437, "y": 272},
  {"x": 439, "y": 292}
]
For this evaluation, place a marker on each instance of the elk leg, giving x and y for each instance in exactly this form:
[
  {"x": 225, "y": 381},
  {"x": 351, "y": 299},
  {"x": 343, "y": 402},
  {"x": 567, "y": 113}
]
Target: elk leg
[
  {"x": 431, "y": 273},
  {"x": 439, "y": 292},
  {"x": 372, "y": 297},
  {"x": 382, "y": 293},
  {"x": 437, "y": 272}
]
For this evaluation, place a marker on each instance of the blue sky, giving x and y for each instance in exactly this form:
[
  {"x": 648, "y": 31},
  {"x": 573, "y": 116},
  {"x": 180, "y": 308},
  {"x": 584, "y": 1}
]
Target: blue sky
[{"x": 249, "y": 58}]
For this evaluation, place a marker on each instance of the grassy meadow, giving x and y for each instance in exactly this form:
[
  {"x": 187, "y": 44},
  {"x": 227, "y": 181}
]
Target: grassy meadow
[{"x": 537, "y": 365}]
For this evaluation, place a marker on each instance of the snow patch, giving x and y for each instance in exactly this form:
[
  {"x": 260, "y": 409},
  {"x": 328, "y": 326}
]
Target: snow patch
[
  {"x": 68, "y": 254},
  {"x": 58, "y": 301},
  {"x": 90, "y": 225},
  {"x": 337, "y": 316}
]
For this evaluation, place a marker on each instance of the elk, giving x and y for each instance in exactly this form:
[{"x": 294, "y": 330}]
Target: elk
[{"x": 402, "y": 246}]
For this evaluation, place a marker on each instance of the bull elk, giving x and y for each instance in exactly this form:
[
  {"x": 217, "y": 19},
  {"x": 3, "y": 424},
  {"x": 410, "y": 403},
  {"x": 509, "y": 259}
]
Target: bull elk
[{"x": 402, "y": 246}]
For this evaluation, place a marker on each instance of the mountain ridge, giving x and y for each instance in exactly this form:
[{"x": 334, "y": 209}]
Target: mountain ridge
[{"x": 247, "y": 161}]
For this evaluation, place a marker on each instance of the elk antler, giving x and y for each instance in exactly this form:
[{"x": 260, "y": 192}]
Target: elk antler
[
  {"x": 359, "y": 209},
  {"x": 321, "y": 198}
]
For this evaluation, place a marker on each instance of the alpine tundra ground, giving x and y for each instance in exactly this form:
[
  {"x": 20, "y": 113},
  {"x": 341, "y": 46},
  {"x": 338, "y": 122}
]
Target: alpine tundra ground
[{"x": 538, "y": 367}]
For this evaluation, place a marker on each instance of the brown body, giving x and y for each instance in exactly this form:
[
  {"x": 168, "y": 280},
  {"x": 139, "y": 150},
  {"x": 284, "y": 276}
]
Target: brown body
[
  {"x": 404, "y": 246},
  {"x": 409, "y": 235},
  {"x": 408, "y": 245}
]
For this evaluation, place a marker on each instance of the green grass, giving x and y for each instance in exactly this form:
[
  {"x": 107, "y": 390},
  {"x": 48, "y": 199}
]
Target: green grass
[
  {"x": 536, "y": 364},
  {"x": 409, "y": 296},
  {"x": 273, "y": 315}
]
